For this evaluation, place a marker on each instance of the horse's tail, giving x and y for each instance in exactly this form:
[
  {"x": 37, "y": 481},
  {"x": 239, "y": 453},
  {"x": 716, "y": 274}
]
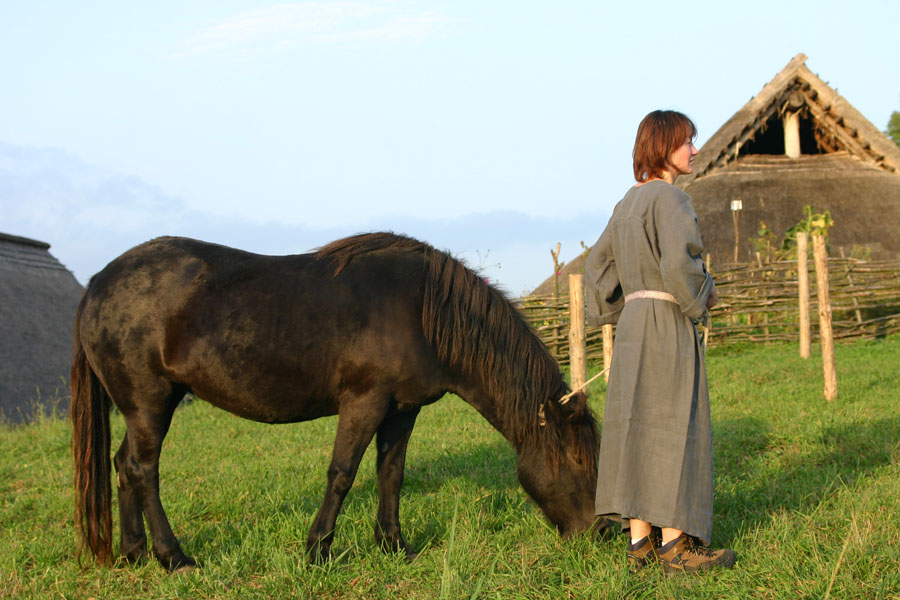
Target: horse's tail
[{"x": 89, "y": 410}]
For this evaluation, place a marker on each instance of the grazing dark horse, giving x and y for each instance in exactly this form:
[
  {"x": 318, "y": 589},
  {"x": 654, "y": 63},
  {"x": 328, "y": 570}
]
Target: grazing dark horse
[{"x": 370, "y": 328}]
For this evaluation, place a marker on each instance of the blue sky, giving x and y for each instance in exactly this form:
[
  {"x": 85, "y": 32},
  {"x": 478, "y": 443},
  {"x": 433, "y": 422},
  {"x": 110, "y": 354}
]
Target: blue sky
[{"x": 493, "y": 129}]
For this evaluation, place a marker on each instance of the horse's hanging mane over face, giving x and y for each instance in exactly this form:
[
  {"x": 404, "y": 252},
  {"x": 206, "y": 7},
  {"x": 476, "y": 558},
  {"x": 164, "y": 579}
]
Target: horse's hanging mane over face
[{"x": 475, "y": 328}]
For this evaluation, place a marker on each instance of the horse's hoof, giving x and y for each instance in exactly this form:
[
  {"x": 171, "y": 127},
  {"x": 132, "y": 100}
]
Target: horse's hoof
[
  {"x": 318, "y": 555},
  {"x": 397, "y": 546},
  {"x": 602, "y": 530},
  {"x": 408, "y": 553},
  {"x": 182, "y": 564},
  {"x": 136, "y": 556},
  {"x": 184, "y": 570}
]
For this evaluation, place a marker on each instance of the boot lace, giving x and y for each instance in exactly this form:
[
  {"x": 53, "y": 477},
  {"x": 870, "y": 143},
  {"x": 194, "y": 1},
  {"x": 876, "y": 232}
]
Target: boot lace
[{"x": 693, "y": 545}]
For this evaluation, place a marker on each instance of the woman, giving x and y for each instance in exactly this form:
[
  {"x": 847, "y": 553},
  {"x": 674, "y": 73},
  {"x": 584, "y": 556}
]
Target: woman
[{"x": 646, "y": 274}]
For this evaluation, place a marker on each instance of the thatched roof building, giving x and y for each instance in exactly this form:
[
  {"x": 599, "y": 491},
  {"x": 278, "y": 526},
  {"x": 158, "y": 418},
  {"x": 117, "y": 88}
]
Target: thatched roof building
[
  {"x": 797, "y": 143},
  {"x": 38, "y": 298}
]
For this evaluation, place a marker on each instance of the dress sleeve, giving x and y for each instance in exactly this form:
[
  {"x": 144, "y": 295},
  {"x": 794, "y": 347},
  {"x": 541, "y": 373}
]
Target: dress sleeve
[
  {"x": 681, "y": 255},
  {"x": 602, "y": 286}
]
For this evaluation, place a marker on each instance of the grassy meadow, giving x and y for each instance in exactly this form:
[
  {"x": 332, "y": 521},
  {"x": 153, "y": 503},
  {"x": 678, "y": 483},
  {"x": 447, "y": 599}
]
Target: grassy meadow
[{"x": 807, "y": 493}]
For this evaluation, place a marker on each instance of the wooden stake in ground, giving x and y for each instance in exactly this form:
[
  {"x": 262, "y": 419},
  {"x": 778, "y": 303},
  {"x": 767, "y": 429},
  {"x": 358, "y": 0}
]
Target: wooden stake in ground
[
  {"x": 736, "y": 206},
  {"x": 765, "y": 298},
  {"x": 607, "y": 349},
  {"x": 708, "y": 327},
  {"x": 826, "y": 337},
  {"x": 577, "y": 350},
  {"x": 557, "y": 268},
  {"x": 803, "y": 291},
  {"x": 859, "y": 318}
]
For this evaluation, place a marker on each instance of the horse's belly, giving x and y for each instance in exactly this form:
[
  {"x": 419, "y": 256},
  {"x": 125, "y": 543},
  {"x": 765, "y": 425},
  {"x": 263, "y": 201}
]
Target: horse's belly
[{"x": 266, "y": 409}]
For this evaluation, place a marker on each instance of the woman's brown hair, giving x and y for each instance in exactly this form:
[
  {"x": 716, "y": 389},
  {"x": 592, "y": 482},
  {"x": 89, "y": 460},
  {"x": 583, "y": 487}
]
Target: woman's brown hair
[{"x": 658, "y": 135}]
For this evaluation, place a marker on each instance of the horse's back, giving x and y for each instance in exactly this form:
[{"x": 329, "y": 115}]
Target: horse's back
[{"x": 272, "y": 338}]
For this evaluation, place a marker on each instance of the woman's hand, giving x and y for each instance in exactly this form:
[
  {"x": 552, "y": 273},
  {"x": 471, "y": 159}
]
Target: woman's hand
[{"x": 713, "y": 297}]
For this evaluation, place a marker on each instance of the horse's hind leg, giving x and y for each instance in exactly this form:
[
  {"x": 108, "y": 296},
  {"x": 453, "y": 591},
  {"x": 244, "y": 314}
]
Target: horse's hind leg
[
  {"x": 147, "y": 427},
  {"x": 392, "y": 439},
  {"x": 134, "y": 540},
  {"x": 358, "y": 419}
]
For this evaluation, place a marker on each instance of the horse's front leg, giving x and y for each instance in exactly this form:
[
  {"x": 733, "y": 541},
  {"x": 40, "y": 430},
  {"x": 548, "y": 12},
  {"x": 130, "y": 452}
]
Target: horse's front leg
[
  {"x": 393, "y": 437},
  {"x": 358, "y": 419}
]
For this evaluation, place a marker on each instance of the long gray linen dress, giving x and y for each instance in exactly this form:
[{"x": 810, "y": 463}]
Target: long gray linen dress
[{"x": 656, "y": 447}]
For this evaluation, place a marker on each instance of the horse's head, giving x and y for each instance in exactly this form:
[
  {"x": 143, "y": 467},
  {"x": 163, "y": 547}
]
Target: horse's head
[{"x": 558, "y": 467}]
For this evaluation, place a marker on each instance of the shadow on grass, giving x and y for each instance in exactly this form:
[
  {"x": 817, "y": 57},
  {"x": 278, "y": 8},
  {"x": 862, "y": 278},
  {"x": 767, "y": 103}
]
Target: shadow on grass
[
  {"x": 489, "y": 468},
  {"x": 490, "y": 465},
  {"x": 428, "y": 482},
  {"x": 759, "y": 474}
]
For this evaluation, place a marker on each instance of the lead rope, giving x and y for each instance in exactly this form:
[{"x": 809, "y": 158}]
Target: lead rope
[
  {"x": 567, "y": 397},
  {"x": 706, "y": 321}
]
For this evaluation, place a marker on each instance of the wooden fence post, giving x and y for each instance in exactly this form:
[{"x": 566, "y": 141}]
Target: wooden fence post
[
  {"x": 826, "y": 338},
  {"x": 803, "y": 291},
  {"x": 607, "y": 349},
  {"x": 859, "y": 318},
  {"x": 765, "y": 296},
  {"x": 577, "y": 350},
  {"x": 709, "y": 321}
]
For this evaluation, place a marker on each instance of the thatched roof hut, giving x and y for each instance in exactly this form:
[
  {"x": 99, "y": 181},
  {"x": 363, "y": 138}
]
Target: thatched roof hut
[
  {"x": 797, "y": 143},
  {"x": 38, "y": 298}
]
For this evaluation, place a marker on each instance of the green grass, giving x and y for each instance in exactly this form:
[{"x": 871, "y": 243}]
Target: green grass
[{"x": 807, "y": 493}]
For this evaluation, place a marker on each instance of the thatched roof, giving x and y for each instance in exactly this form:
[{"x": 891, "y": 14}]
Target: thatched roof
[
  {"x": 847, "y": 166},
  {"x": 38, "y": 298},
  {"x": 833, "y": 122},
  {"x": 863, "y": 200}
]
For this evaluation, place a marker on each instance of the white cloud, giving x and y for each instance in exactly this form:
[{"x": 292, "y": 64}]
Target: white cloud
[
  {"x": 285, "y": 25},
  {"x": 91, "y": 214}
]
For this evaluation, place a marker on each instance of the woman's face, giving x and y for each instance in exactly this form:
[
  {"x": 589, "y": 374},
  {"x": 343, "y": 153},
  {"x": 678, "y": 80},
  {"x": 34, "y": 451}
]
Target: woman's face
[{"x": 681, "y": 158}]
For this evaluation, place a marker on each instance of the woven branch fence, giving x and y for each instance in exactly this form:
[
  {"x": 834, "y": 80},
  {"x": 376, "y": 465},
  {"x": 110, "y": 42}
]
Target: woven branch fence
[{"x": 759, "y": 303}]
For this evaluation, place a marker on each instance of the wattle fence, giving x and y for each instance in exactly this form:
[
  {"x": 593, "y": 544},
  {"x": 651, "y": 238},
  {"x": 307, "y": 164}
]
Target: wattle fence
[{"x": 759, "y": 303}]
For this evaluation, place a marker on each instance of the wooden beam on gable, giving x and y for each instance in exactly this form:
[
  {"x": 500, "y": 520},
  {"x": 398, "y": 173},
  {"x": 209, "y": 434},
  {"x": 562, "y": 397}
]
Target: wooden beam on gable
[{"x": 847, "y": 138}]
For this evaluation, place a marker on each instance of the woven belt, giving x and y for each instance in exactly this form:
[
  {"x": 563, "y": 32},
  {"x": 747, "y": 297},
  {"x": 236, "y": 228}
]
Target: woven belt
[
  {"x": 651, "y": 294},
  {"x": 670, "y": 298}
]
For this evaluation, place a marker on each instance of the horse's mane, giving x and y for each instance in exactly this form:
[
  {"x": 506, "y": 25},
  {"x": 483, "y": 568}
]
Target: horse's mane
[{"x": 476, "y": 329}]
